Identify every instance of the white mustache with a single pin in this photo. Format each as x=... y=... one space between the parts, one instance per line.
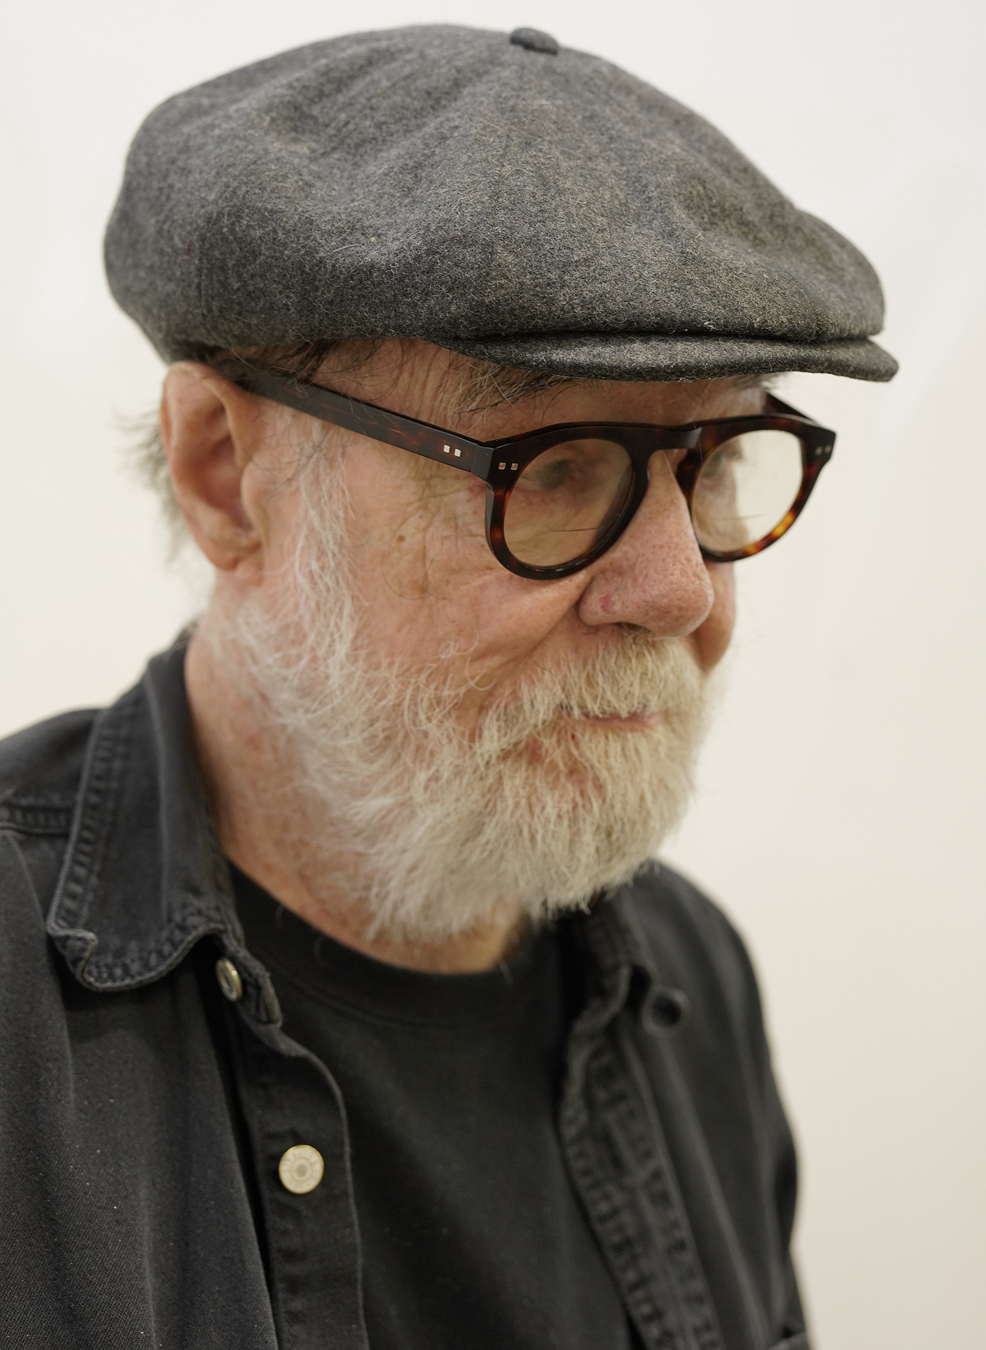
x=642 y=677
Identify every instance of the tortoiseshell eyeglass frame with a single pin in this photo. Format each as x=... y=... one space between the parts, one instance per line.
x=500 y=463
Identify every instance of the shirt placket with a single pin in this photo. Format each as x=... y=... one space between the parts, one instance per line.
x=617 y=1157
x=299 y=1140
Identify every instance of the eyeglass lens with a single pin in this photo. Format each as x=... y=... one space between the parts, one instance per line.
x=745 y=489
x=567 y=498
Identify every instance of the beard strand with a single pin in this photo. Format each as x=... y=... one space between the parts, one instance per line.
x=435 y=830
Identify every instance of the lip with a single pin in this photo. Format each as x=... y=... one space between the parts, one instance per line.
x=536 y=749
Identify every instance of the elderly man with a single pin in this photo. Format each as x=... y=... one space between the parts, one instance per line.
x=344 y=1007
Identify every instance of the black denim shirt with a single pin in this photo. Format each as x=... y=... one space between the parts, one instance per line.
x=143 y=1114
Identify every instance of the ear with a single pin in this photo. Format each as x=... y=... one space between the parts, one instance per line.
x=211 y=430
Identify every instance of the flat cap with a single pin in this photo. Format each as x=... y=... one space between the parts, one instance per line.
x=498 y=195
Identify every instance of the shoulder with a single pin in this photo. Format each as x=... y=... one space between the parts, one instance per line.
x=696 y=947
x=40 y=771
x=675 y=914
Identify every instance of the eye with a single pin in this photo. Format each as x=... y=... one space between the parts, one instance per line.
x=549 y=476
x=721 y=460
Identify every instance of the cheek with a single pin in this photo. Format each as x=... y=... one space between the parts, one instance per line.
x=712 y=638
x=420 y=560
x=430 y=547
x=408 y=514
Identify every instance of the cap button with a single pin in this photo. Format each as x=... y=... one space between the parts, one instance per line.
x=229 y=979
x=301 y=1169
x=534 y=40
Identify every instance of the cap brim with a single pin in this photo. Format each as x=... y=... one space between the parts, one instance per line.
x=662 y=356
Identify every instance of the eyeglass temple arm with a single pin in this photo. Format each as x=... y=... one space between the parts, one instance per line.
x=407 y=433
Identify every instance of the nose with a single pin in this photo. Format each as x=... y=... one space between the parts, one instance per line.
x=654 y=576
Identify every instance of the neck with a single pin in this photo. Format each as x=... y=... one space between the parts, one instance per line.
x=271 y=831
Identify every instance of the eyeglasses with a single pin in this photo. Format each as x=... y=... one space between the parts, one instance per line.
x=559 y=497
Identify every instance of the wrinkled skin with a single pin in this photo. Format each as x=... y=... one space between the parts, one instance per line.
x=428 y=588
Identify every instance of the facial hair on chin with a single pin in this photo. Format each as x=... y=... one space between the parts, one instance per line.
x=435 y=831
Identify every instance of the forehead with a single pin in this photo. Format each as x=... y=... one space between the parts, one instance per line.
x=436 y=385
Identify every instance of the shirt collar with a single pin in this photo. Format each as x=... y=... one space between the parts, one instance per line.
x=144 y=877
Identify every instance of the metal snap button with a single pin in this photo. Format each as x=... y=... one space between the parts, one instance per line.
x=301 y=1169
x=229 y=979
x=665 y=1012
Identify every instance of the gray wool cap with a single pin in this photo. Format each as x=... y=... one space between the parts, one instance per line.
x=498 y=195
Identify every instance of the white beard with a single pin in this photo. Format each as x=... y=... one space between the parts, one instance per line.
x=433 y=830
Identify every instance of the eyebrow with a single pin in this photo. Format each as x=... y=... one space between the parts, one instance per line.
x=763 y=380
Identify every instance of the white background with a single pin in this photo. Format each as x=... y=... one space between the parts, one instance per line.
x=840 y=811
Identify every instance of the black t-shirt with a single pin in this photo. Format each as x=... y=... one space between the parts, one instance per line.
x=471 y=1232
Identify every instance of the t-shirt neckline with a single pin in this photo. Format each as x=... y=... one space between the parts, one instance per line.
x=351 y=981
